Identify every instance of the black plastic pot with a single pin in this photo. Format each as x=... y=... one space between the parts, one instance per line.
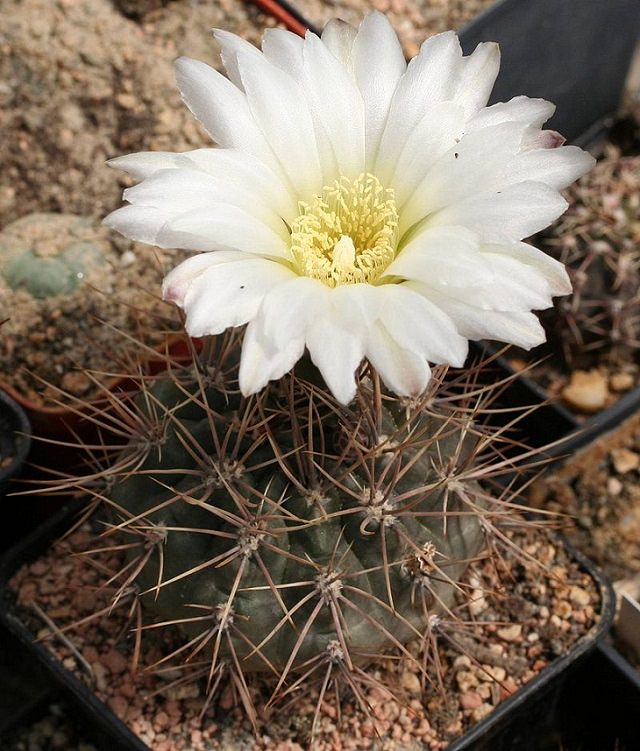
x=25 y=687
x=15 y=440
x=599 y=705
x=610 y=686
x=575 y=53
x=510 y=727
x=99 y=724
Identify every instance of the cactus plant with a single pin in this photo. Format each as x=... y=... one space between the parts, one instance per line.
x=292 y=515
x=599 y=241
x=289 y=535
x=48 y=255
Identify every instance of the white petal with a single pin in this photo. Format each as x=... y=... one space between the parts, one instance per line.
x=339 y=106
x=141 y=223
x=231 y=45
x=229 y=294
x=261 y=362
x=442 y=254
x=557 y=167
x=245 y=172
x=284 y=49
x=514 y=327
x=144 y=163
x=236 y=168
x=177 y=282
x=336 y=353
x=357 y=306
x=404 y=372
x=516 y=286
x=222 y=108
x=431 y=77
x=553 y=271
x=242 y=169
x=477 y=164
x=419 y=326
x=535 y=138
x=181 y=190
x=222 y=226
x=512 y=214
x=339 y=36
x=439 y=130
x=450 y=260
x=291 y=307
x=378 y=63
x=519 y=109
x=279 y=106
x=478 y=74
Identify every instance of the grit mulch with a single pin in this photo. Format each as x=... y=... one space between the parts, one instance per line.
x=520 y=616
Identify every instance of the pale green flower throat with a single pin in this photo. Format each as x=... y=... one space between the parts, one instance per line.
x=348 y=233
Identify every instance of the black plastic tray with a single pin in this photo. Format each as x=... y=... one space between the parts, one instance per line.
x=507 y=728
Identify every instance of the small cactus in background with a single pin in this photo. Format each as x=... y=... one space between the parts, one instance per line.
x=66 y=285
x=599 y=241
x=50 y=254
x=289 y=535
x=45 y=276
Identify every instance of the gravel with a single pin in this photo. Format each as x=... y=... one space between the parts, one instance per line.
x=526 y=610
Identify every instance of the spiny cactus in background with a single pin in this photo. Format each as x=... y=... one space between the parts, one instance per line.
x=289 y=535
x=599 y=241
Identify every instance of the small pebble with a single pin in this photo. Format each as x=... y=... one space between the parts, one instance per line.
x=466 y=680
x=470 y=700
x=481 y=712
x=624 y=460
x=510 y=633
x=411 y=683
x=587 y=391
x=621 y=382
x=579 y=595
x=614 y=486
x=496 y=672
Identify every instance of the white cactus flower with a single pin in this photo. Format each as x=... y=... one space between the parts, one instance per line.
x=357 y=207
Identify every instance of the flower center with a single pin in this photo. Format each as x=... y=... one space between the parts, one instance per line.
x=348 y=233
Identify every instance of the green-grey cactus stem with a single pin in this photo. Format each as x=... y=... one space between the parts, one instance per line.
x=285 y=530
x=49 y=276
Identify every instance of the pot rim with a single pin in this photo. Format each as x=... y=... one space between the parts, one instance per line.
x=21 y=427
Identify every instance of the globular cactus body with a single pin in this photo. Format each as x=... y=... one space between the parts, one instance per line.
x=285 y=530
x=51 y=254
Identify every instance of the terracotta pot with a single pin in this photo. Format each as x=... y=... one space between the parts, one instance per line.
x=58 y=422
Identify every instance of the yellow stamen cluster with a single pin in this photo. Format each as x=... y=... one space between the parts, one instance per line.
x=348 y=233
